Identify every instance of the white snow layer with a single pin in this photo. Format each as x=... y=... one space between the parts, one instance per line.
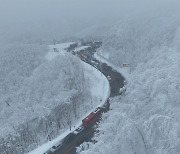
x=146 y=120
x=99 y=88
x=57 y=49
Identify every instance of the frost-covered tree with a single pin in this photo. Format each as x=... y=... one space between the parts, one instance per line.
x=38 y=98
x=145 y=119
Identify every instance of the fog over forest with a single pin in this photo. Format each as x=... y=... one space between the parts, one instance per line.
x=51 y=18
x=43 y=86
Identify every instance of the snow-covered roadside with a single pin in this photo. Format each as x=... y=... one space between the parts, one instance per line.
x=100 y=85
x=60 y=50
x=100 y=89
x=95 y=77
x=43 y=148
x=124 y=71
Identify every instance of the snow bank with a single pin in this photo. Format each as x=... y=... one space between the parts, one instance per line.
x=100 y=87
x=45 y=147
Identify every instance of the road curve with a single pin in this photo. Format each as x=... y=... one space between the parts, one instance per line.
x=116 y=81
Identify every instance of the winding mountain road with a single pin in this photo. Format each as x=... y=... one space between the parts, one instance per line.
x=116 y=81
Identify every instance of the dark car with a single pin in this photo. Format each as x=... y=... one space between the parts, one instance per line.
x=69 y=137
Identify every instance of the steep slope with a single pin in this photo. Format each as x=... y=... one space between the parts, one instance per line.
x=146 y=119
x=38 y=96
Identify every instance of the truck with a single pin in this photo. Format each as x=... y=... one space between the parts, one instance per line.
x=91 y=118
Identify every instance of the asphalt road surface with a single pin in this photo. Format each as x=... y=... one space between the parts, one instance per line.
x=116 y=81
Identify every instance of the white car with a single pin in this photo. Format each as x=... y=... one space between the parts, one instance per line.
x=53 y=149
x=108 y=77
x=78 y=130
x=94 y=63
x=56 y=146
x=122 y=90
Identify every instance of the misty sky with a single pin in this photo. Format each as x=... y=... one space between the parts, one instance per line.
x=73 y=15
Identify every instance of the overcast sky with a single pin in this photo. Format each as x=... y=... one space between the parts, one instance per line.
x=73 y=15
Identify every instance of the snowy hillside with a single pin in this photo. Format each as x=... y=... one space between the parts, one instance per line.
x=47 y=89
x=131 y=41
x=147 y=118
x=43 y=89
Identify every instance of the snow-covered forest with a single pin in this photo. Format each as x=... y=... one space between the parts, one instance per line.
x=31 y=88
x=146 y=119
x=41 y=97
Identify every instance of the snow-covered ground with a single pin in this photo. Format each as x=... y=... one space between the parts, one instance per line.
x=99 y=88
x=58 y=49
x=102 y=91
x=45 y=147
x=146 y=119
